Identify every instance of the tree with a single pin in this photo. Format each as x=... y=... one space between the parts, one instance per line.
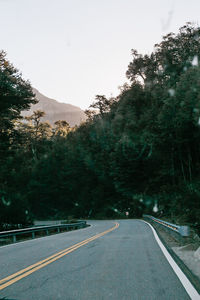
x=174 y=55
x=62 y=128
x=90 y=114
x=102 y=104
x=134 y=150
x=15 y=95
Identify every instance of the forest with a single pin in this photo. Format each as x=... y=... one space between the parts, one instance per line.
x=135 y=152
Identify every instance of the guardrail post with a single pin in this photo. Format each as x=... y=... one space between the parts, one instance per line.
x=58 y=230
x=47 y=231
x=33 y=235
x=184 y=230
x=14 y=239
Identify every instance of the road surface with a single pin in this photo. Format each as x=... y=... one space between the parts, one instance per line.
x=109 y=260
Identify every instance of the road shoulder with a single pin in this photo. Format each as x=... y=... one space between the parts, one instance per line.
x=183 y=256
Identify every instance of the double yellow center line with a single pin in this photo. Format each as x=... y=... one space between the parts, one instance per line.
x=5 y=282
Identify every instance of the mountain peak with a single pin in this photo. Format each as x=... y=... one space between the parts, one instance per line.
x=55 y=110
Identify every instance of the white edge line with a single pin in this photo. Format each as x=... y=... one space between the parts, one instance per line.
x=192 y=292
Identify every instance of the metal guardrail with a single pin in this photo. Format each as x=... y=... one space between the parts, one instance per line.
x=184 y=231
x=33 y=230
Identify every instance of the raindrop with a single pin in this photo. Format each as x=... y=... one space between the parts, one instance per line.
x=155 y=208
x=196 y=37
x=195 y=61
x=171 y=92
x=5 y=202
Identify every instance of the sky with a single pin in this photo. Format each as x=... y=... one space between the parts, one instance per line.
x=72 y=50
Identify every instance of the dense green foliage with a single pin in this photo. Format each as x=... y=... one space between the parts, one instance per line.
x=137 y=150
x=15 y=96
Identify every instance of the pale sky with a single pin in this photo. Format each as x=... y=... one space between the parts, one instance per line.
x=72 y=50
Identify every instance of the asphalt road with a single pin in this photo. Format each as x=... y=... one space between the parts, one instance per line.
x=123 y=264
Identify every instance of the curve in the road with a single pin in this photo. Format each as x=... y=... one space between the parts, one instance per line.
x=5 y=282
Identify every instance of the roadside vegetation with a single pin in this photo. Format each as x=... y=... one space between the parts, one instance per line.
x=136 y=153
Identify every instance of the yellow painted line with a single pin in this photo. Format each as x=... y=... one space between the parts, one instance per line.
x=57 y=254
x=41 y=264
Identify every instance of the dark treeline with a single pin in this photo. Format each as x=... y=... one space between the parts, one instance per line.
x=135 y=152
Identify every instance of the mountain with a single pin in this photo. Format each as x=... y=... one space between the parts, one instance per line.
x=56 y=110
